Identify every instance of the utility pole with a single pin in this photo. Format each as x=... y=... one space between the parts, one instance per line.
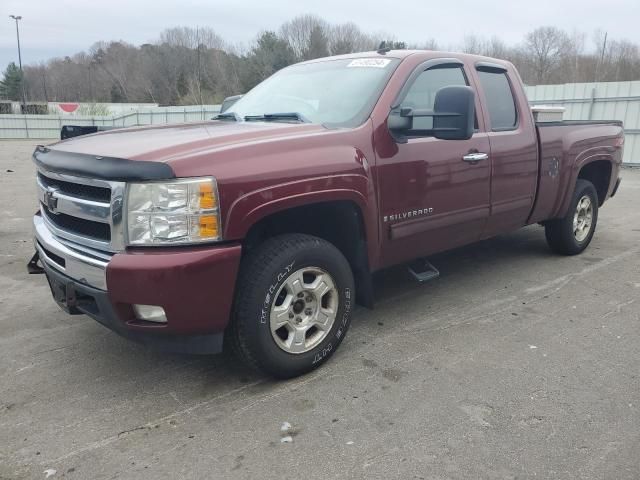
x=601 y=59
x=17 y=18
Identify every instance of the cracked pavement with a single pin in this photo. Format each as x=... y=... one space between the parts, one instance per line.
x=516 y=363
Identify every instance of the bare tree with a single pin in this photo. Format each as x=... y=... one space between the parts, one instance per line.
x=307 y=35
x=496 y=48
x=430 y=44
x=545 y=47
x=189 y=37
x=624 y=58
x=196 y=65
x=348 y=38
x=574 y=52
x=472 y=44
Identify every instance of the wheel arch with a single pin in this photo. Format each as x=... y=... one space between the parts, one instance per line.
x=340 y=221
x=598 y=172
x=590 y=166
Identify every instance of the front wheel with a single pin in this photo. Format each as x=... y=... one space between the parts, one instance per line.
x=293 y=305
x=573 y=233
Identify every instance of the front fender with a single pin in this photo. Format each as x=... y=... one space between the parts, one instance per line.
x=251 y=207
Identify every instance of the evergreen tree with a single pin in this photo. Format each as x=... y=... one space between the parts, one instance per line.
x=270 y=54
x=318 y=45
x=11 y=84
x=181 y=85
x=116 y=94
x=393 y=45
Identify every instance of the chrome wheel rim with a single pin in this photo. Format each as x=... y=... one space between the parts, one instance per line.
x=304 y=310
x=583 y=219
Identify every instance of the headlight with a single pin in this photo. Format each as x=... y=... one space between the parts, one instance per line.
x=181 y=211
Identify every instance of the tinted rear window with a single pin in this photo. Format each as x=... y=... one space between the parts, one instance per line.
x=500 y=102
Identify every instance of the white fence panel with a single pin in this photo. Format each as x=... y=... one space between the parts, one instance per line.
x=582 y=101
x=597 y=101
x=48 y=126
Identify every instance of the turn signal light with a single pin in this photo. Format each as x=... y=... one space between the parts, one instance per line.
x=207 y=196
x=209 y=226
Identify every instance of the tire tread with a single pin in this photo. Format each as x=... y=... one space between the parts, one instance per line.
x=559 y=232
x=258 y=260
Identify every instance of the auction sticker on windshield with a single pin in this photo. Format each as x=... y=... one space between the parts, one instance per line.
x=369 y=62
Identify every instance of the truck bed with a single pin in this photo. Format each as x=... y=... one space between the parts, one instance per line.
x=563 y=146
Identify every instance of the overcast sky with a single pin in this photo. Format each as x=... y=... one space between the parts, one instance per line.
x=63 y=27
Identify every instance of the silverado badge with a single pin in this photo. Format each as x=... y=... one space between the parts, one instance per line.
x=408 y=214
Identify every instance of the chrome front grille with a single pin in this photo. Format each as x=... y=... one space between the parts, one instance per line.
x=87 y=192
x=78 y=225
x=85 y=212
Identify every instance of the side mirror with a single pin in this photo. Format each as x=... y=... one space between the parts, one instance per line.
x=228 y=102
x=453 y=116
x=399 y=122
x=454 y=113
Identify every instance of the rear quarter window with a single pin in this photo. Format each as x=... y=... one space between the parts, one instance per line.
x=500 y=102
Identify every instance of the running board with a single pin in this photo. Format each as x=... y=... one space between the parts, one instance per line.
x=423 y=271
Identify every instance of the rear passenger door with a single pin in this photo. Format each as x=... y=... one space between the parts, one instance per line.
x=514 y=150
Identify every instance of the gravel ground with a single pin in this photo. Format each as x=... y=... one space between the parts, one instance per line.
x=516 y=363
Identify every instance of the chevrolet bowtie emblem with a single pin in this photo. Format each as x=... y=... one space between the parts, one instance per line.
x=50 y=200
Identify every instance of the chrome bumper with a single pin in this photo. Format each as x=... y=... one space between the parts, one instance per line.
x=76 y=262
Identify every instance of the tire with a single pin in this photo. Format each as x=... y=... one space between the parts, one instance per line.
x=566 y=237
x=271 y=281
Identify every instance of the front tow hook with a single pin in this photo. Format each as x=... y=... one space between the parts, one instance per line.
x=32 y=267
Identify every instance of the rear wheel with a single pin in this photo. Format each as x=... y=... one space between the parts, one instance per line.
x=293 y=305
x=573 y=233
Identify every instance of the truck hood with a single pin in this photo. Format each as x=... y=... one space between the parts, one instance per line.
x=170 y=142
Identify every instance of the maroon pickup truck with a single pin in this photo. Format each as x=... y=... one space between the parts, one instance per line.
x=262 y=228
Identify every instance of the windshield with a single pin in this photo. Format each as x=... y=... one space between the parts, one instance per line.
x=335 y=93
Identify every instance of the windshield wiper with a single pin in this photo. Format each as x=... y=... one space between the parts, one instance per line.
x=278 y=116
x=229 y=115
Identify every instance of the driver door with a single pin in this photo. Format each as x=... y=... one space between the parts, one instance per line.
x=432 y=197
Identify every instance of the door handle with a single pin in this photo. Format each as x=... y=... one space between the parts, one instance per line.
x=475 y=157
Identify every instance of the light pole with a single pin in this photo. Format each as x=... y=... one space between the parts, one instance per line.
x=18 y=18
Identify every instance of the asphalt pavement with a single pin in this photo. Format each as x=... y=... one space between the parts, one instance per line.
x=516 y=363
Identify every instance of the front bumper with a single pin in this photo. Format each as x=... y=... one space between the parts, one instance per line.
x=195 y=286
x=77 y=263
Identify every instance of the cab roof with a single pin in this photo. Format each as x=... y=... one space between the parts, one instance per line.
x=402 y=54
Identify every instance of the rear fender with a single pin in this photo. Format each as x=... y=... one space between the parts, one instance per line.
x=588 y=156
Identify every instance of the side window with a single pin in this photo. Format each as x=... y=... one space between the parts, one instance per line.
x=422 y=93
x=500 y=102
